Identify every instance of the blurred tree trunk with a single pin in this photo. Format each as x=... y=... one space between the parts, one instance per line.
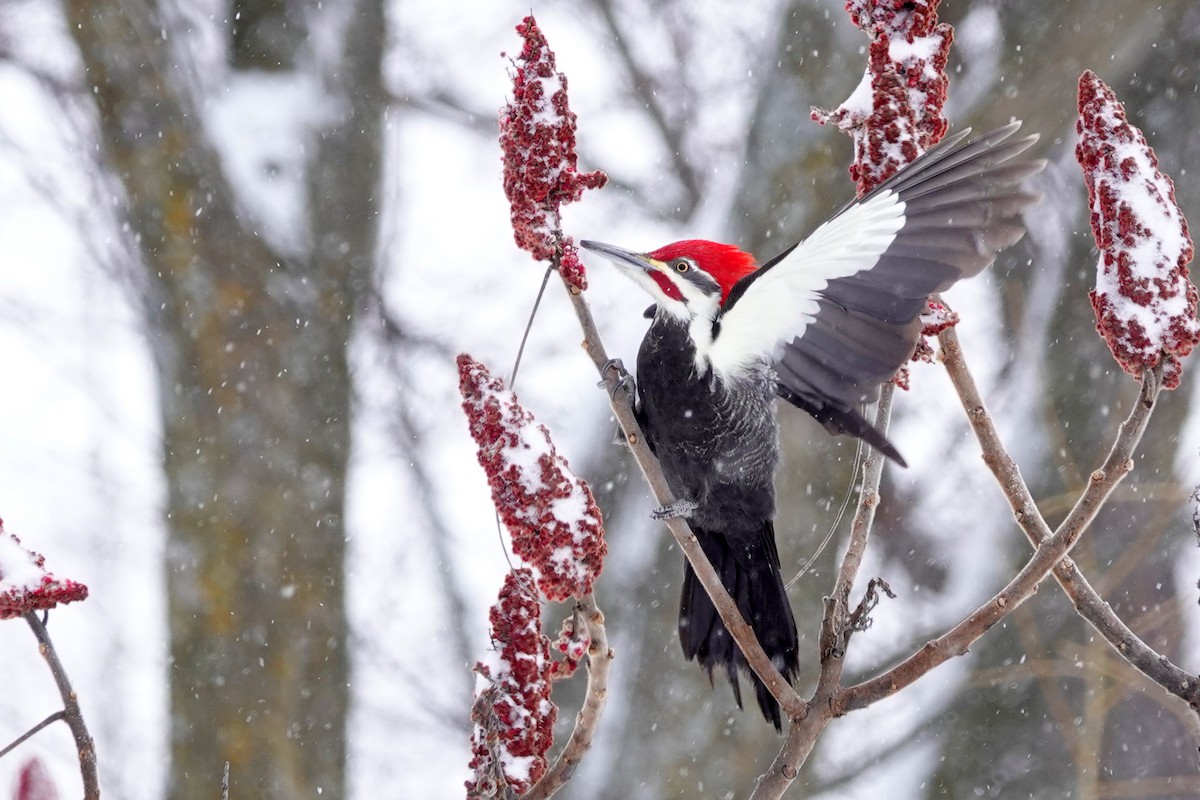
x=250 y=347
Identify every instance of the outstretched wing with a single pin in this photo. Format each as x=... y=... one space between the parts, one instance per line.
x=838 y=313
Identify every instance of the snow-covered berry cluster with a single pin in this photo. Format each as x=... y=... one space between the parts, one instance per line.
x=513 y=716
x=537 y=137
x=25 y=585
x=936 y=318
x=1144 y=302
x=895 y=114
x=550 y=513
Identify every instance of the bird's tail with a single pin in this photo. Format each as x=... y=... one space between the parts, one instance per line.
x=749 y=569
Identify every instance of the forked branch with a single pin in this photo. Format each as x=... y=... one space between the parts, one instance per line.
x=1087 y=601
x=836 y=629
x=831 y=700
x=1049 y=552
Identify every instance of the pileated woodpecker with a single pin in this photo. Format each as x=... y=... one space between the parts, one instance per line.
x=821 y=325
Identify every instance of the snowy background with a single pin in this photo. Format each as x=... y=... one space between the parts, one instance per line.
x=80 y=462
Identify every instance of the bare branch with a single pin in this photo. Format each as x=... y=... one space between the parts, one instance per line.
x=48 y=721
x=71 y=713
x=864 y=515
x=835 y=629
x=440 y=104
x=600 y=657
x=1087 y=601
x=1048 y=553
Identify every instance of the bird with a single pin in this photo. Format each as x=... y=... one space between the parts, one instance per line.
x=822 y=326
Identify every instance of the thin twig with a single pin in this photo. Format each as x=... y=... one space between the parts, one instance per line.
x=1048 y=553
x=741 y=632
x=835 y=629
x=864 y=516
x=71 y=713
x=600 y=657
x=50 y=720
x=1087 y=601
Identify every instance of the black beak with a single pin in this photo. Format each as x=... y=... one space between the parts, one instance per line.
x=619 y=256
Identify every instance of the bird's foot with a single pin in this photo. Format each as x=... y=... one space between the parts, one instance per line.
x=677 y=508
x=624 y=381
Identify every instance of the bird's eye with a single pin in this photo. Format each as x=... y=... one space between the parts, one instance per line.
x=682 y=266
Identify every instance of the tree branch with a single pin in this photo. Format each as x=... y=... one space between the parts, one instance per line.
x=600 y=657
x=71 y=712
x=48 y=721
x=835 y=628
x=1087 y=601
x=643 y=86
x=1048 y=553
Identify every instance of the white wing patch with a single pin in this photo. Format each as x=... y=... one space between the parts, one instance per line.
x=779 y=304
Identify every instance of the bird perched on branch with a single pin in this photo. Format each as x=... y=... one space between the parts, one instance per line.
x=822 y=325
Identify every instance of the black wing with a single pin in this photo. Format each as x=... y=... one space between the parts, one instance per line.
x=961 y=204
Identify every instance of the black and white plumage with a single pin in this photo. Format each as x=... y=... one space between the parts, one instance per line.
x=822 y=325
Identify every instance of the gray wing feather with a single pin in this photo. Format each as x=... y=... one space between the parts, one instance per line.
x=963 y=202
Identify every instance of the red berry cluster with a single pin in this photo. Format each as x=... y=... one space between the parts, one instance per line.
x=25 y=585
x=899 y=115
x=537 y=137
x=1144 y=302
x=513 y=714
x=550 y=513
x=937 y=317
x=572 y=643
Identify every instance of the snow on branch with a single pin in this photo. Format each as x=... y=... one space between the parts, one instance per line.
x=513 y=716
x=537 y=136
x=25 y=585
x=1144 y=302
x=550 y=513
x=895 y=113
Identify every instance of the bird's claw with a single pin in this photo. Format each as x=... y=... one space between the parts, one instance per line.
x=676 y=508
x=624 y=379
